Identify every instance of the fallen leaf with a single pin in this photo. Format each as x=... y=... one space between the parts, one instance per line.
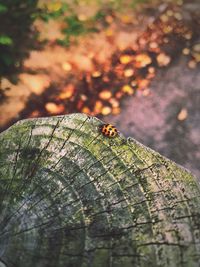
x=126 y=19
x=186 y=51
x=125 y=59
x=163 y=59
x=188 y=35
x=142 y=60
x=196 y=48
x=167 y=29
x=128 y=72
x=105 y=94
x=109 y=32
x=192 y=64
x=183 y=114
x=170 y=13
x=98 y=107
x=106 y=110
x=96 y=74
x=114 y=102
x=116 y=111
x=54 y=108
x=151 y=70
x=127 y=89
x=119 y=94
x=164 y=18
x=83 y=97
x=196 y=56
x=142 y=84
x=67 y=92
x=146 y=92
x=133 y=83
x=178 y=16
x=66 y=66
x=86 y=110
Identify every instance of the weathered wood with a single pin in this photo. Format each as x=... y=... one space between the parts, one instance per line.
x=71 y=197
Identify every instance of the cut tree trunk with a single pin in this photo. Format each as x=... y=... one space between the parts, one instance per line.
x=72 y=197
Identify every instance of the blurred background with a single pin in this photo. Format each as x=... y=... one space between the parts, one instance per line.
x=132 y=63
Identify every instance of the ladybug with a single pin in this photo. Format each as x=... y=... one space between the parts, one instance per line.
x=109 y=130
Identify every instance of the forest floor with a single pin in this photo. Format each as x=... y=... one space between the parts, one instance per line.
x=140 y=71
x=168 y=120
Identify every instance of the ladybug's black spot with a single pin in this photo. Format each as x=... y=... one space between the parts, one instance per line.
x=109 y=132
x=112 y=133
x=110 y=129
x=115 y=130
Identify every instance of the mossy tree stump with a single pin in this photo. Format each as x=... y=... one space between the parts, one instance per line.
x=71 y=197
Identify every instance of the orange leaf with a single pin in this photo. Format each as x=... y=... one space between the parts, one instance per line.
x=34 y=114
x=67 y=92
x=109 y=32
x=126 y=19
x=143 y=83
x=125 y=59
x=114 y=102
x=66 y=66
x=163 y=59
x=116 y=111
x=86 y=110
x=98 y=107
x=127 y=89
x=96 y=74
x=105 y=95
x=192 y=64
x=128 y=72
x=119 y=94
x=182 y=114
x=142 y=60
x=54 y=108
x=106 y=110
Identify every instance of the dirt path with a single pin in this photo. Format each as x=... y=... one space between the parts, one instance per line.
x=153 y=120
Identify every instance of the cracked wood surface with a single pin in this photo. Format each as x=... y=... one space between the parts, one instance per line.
x=71 y=197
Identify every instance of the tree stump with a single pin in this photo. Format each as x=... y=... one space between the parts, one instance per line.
x=72 y=197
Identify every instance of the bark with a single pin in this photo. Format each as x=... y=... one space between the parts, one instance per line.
x=71 y=197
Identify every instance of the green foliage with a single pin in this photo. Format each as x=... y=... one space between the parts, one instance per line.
x=5 y=40
x=3 y=8
x=75 y=27
x=16 y=17
x=46 y=15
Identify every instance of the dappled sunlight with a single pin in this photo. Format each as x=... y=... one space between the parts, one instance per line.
x=89 y=62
